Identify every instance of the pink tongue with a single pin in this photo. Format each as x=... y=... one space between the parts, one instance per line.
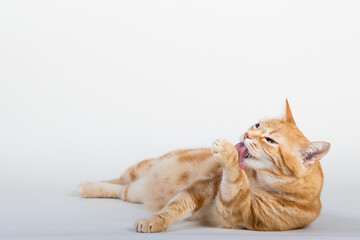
x=241 y=150
x=241 y=154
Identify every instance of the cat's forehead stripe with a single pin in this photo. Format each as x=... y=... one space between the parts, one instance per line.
x=274 y=131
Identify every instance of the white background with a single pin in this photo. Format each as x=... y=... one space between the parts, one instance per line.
x=88 y=88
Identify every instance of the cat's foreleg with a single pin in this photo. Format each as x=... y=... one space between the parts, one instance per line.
x=234 y=193
x=183 y=205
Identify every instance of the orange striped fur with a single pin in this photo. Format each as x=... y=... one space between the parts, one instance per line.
x=278 y=189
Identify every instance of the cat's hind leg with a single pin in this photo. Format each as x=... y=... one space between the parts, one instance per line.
x=132 y=192
x=100 y=190
x=128 y=187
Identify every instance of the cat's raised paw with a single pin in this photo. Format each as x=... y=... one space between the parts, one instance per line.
x=224 y=152
x=150 y=225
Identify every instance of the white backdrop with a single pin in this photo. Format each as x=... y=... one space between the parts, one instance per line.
x=88 y=88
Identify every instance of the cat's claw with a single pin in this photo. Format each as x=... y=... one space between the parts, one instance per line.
x=224 y=152
x=149 y=225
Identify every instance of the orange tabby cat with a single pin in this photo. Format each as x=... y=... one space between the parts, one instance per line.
x=269 y=181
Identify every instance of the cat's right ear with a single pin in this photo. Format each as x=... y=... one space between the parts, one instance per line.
x=314 y=151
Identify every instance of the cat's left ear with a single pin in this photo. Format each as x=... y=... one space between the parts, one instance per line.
x=314 y=151
x=288 y=115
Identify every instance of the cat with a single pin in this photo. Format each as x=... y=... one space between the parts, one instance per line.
x=270 y=181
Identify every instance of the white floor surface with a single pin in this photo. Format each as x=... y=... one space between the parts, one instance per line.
x=58 y=213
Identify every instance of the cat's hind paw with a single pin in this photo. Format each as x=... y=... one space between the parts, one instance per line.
x=87 y=189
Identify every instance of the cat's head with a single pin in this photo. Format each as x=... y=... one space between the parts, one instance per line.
x=278 y=147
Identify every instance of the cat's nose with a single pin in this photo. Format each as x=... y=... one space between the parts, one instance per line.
x=246 y=136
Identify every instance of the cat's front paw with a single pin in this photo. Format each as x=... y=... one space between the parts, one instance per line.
x=224 y=152
x=150 y=225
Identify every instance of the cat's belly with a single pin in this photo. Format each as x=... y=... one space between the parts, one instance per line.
x=175 y=172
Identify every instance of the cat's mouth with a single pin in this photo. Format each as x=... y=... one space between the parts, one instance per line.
x=243 y=153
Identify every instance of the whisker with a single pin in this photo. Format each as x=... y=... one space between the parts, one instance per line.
x=252 y=149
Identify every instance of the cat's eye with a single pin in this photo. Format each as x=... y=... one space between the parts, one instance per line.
x=269 y=140
x=257 y=125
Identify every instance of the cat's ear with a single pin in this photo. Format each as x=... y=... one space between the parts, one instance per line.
x=314 y=151
x=288 y=115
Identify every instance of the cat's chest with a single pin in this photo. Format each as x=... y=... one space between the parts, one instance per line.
x=258 y=180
